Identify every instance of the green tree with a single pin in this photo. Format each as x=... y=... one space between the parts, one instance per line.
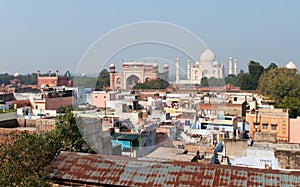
x=5 y=78
x=152 y=84
x=23 y=157
x=282 y=85
x=271 y=66
x=212 y=81
x=232 y=79
x=66 y=131
x=204 y=81
x=103 y=79
x=85 y=81
x=247 y=82
x=255 y=69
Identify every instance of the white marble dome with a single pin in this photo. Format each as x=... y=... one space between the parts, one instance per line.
x=207 y=55
x=16 y=75
x=291 y=65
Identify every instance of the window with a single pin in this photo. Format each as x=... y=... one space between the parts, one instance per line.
x=36 y=107
x=96 y=96
x=265 y=125
x=274 y=127
x=118 y=80
x=235 y=99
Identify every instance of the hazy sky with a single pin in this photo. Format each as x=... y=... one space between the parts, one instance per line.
x=50 y=35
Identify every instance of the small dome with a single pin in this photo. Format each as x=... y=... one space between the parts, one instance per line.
x=155 y=65
x=112 y=66
x=291 y=65
x=166 y=66
x=207 y=55
x=16 y=75
x=215 y=63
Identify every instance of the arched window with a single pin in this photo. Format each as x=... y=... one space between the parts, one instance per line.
x=118 y=80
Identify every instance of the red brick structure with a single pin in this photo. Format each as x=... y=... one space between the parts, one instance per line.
x=56 y=80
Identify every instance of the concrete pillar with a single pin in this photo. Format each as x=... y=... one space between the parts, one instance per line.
x=177 y=70
x=188 y=69
x=235 y=67
x=230 y=66
x=112 y=71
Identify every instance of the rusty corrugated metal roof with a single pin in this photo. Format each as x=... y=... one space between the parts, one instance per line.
x=111 y=170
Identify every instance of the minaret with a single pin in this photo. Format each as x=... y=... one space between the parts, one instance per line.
x=188 y=69
x=235 y=67
x=166 y=72
x=112 y=71
x=177 y=70
x=230 y=66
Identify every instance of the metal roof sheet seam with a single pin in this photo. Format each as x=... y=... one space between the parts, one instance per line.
x=114 y=170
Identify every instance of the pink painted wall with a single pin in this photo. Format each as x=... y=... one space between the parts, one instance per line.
x=99 y=99
x=295 y=130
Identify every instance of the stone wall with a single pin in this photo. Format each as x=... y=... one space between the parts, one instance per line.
x=44 y=125
x=288 y=159
x=265 y=137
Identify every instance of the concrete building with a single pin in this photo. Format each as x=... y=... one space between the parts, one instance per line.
x=218 y=110
x=294 y=130
x=269 y=121
x=52 y=100
x=135 y=72
x=100 y=98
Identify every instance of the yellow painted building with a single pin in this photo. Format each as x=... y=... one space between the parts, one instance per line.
x=269 y=120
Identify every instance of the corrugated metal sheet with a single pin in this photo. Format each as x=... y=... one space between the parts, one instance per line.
x=110 y=170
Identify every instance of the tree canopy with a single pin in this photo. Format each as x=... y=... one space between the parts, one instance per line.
x=212 y=81
x=282 y=85
x=152 y=84
x=103 y=79
x=24 y=155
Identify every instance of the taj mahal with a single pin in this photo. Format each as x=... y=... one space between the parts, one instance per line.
x=140 y=71
x=207 y=66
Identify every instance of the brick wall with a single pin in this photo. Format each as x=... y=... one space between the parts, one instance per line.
x=56 y=103
x=26 y=122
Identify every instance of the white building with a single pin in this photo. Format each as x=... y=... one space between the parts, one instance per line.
x=207 y=66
